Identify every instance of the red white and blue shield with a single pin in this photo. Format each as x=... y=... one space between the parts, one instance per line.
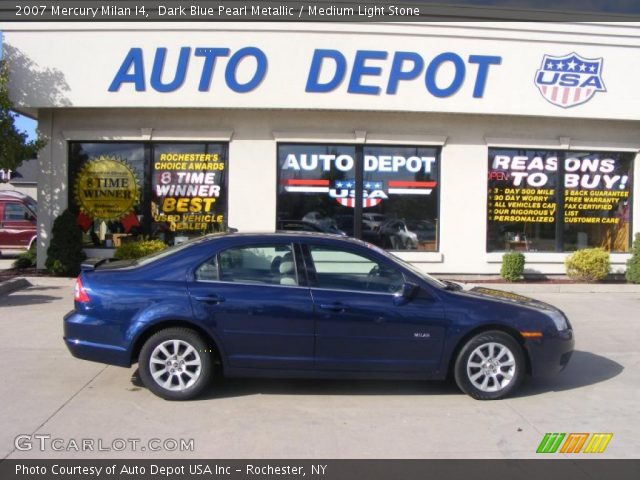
x=569 y=80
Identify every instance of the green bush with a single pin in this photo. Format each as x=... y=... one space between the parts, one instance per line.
x=512 y=266
x=26 y=259
x=137 y=249
x=588 y=265
x=65 y=254
x=633 y=264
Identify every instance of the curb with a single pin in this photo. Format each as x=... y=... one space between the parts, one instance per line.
x=13 y=285
x=559 y=288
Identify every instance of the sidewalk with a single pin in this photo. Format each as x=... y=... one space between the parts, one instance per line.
x=537 y=287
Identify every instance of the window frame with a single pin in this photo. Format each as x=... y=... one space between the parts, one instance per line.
x=146 y=180
x=562 y=151
x=359 y=148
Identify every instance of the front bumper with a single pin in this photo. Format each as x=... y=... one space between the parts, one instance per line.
x=84 y=339
x=550 y=354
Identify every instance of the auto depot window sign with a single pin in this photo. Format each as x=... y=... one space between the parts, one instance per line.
x=315 y=173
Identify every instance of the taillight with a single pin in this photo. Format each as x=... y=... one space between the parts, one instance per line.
x=79 y=293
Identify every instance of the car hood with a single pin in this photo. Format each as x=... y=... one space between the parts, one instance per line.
x=509 y=298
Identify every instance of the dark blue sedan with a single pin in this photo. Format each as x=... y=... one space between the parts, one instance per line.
x=305 y=306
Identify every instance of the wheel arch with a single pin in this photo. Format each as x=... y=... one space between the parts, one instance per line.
x=486 y=328
x=171 y=323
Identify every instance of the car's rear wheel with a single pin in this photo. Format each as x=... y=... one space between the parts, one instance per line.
x=176 y=364
x=490 y=366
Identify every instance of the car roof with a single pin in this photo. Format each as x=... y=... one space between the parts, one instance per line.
x=13 y=195
x=293 y=235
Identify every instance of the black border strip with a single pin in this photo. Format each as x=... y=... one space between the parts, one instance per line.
x=320 y=11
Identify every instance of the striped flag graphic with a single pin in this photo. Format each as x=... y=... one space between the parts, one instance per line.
x=306 y=186
x=411 y=188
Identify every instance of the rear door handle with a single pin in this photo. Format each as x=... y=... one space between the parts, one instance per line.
x=334 y=307
x=209 y=298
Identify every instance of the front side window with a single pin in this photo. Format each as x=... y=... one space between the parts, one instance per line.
x=15 y=212
x=318 y=185
x=273 y=265
x=344 y=270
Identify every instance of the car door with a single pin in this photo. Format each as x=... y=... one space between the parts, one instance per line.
x=17 y=226
x=360 y=324
x=254 y=297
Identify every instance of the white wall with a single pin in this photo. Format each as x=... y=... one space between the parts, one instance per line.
x=74 y=64
x=252 y=162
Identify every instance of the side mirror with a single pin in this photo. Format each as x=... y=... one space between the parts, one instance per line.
x=404 y=296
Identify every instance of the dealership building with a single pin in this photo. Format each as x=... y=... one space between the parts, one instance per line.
x=446 y=143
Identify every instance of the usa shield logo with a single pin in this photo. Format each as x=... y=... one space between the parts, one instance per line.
x=569 y=80
x=343 y=191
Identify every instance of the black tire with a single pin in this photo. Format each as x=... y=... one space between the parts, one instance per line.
x=506 y=369
x=189 y=371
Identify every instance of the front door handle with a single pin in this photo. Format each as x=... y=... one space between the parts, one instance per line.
x=209 y=298
x=334 y=307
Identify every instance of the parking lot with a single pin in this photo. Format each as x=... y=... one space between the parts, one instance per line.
x=45 y=391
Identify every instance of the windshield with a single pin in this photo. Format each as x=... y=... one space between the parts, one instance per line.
x=423 y=275
x=415 y=270
x=32 y=204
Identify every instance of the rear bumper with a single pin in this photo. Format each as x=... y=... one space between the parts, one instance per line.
x=550 y=355
x=81 y=335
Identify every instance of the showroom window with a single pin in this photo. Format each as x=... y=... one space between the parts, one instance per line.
x=318 y=186
x=170 y=191
x=558 y=200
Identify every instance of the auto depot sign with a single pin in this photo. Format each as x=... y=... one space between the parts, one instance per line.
x=364 y=72
x=353 y=68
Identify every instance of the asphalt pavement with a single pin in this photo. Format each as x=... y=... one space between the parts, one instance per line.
x=53 y=400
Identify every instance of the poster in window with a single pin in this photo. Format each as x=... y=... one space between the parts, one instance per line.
x=188 y=189
x=597 y=200
x=522 y=200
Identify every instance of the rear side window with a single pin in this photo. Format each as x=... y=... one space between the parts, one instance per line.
x=272 y=264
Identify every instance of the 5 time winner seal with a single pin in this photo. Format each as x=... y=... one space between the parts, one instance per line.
x=106 y=188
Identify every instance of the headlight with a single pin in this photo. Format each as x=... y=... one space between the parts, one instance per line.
x=559 y=320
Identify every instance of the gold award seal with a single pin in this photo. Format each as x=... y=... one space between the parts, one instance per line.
x=106 y=188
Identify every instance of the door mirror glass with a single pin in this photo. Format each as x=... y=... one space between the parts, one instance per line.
x=408 y=292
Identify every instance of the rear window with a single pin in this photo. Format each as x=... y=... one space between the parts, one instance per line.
x=171 y=250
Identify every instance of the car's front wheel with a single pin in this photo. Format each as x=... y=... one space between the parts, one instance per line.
x=490 y=366
x=176 y=364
